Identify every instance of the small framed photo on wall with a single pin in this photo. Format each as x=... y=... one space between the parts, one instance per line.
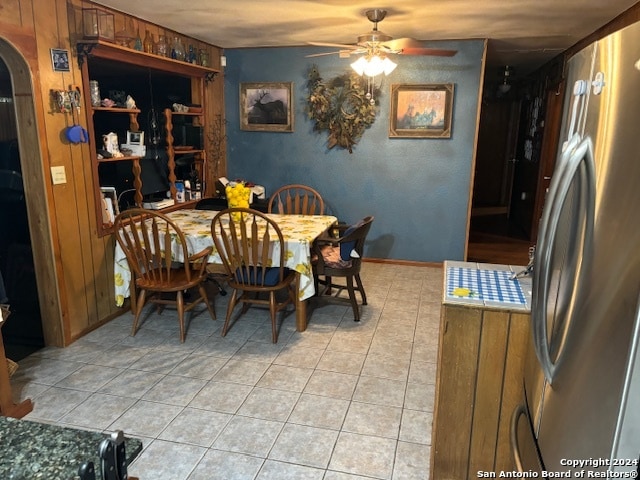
x=60 y=60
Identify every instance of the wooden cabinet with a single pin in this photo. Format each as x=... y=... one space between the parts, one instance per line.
x=481 y=358
x=120 y=69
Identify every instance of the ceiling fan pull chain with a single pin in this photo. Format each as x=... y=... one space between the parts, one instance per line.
x=369 y=95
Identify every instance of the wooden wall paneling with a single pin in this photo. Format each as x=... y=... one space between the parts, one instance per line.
x=455 y=391
x=10 y=11
x=98 y=279
x=21 y=37
x=519 y=333
x=47 y=27
x=491 y=365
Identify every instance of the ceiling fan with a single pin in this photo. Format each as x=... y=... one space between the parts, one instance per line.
x=377 y=42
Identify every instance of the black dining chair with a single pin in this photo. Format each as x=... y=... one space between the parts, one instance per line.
x=211 y=203
x=341 y=257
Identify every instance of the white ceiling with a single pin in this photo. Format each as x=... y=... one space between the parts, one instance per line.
x=522 y=33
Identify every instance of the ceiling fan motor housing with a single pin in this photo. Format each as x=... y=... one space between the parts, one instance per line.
x=374 y=36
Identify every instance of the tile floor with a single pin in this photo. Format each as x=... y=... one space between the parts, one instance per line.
x=340 y=401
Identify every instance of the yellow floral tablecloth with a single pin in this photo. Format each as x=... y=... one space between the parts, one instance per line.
x=298 y=231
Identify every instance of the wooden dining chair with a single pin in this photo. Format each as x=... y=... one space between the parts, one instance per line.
x=341 y=256
x=151 y=241
x=246 y=240
x=296 y=199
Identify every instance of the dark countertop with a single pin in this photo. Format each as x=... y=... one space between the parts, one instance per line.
x=32 y=450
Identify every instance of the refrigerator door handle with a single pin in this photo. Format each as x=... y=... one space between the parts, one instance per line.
x=513 y=436
x=561 y=183
x=553 y=189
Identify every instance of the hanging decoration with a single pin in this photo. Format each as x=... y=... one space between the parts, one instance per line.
x=344 y=106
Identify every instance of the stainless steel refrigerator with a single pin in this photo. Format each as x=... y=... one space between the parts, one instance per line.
x=581 y=389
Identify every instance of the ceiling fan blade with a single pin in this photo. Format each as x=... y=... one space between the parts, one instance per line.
x=342 y=53
x=400 y=43
x=434 y=52
x=342 y=46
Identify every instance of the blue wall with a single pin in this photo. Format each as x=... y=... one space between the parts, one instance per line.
x=417 y=189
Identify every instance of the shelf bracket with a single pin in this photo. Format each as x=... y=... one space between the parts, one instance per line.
x=84 y=50
x=210 y=76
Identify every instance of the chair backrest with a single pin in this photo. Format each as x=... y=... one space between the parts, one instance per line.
x=353 y=239
x=247 y=241
x=296 y=199
x=145 y=236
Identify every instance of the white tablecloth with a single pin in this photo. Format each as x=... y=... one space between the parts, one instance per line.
x=298 y=231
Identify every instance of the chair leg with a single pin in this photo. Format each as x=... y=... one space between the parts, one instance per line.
x=352 y=298
x=361 y=288
x=139 y=306
x=273 y=311
x=232 y=303
x=180 y=305
x=203 y=294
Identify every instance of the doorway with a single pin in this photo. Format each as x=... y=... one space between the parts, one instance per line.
x=494 y=235
x=23 y=331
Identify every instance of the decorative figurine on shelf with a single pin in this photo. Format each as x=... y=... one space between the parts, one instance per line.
x=130 y=103
x=110 y=141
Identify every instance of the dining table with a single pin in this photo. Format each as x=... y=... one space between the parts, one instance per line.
x=298 y=231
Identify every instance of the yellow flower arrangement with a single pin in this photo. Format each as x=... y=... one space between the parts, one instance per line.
x=237 y=196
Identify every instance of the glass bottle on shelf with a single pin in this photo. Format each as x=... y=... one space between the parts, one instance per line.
x=204 y=57
x=137 y=45
x=148 y=42
x=192 y=55
x=177 y=49
x=162 y=47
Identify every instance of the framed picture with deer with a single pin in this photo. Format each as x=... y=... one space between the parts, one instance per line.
x=266 y=107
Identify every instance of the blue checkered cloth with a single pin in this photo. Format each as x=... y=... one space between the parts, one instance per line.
x=489 y=285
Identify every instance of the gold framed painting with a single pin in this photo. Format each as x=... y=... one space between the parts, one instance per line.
x=421 y=111
x=266 y=107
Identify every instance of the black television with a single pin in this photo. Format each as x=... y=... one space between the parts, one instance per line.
x=154 y=174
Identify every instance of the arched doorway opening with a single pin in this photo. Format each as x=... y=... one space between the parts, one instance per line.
x=22 y=333
x=37 y=244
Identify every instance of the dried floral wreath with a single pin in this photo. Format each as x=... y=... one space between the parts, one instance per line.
x=344 y=106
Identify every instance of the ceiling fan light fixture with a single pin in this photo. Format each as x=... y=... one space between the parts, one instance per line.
x=373 y=65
